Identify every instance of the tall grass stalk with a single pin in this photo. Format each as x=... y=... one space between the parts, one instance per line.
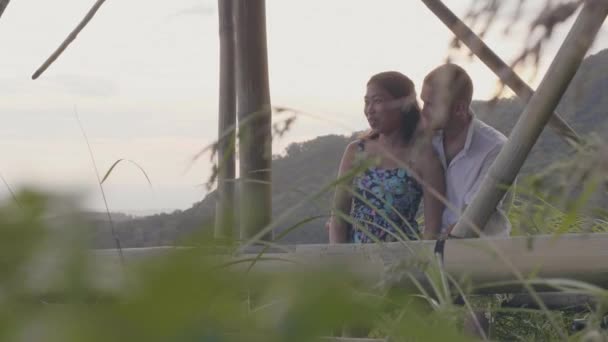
x=10 y=190
x=102 y=191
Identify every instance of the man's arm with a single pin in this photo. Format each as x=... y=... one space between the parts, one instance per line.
x=433 y=175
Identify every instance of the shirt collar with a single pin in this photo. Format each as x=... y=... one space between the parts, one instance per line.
x=438 y=136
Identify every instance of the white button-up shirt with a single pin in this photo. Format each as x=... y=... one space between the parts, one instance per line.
x=466 y=172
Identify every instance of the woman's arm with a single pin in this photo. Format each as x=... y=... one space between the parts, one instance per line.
x=342 y=199
x=434 y=178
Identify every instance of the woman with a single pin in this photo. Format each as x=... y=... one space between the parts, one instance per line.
x=397 y=171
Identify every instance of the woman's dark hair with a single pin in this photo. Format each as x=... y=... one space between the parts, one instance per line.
x=399 y=86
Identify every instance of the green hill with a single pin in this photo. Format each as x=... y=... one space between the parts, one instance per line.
x=309 y=166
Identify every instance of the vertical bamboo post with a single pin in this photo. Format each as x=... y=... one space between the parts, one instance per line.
x=497 y=65
x=225 y=206
x=534 y=118
x=254 y=114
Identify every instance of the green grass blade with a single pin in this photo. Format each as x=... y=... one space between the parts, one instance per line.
x=107 y=174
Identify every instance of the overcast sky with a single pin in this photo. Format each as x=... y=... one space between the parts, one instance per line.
x=143 y=77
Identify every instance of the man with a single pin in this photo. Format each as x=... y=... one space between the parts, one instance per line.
x=466 y=146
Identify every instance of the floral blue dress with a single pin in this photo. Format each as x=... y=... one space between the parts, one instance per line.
x=385 y=200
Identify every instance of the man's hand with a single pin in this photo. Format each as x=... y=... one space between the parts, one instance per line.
x=450 y=228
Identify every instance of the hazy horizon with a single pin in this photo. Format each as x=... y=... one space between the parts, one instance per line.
x=143 y=78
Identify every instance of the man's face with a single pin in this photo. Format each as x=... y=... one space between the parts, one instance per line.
x=436 y=108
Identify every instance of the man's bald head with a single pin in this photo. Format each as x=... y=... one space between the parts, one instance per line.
x=447 y=92
x=452 y=79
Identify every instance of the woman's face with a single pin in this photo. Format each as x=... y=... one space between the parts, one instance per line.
x=381 y=109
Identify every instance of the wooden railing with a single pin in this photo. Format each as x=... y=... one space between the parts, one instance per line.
x=487 y=265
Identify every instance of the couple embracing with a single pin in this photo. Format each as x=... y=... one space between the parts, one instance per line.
x=437 y=155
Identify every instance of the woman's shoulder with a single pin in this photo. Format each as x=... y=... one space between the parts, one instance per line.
x=359 y=151
x=351 y=152
x=357 y=145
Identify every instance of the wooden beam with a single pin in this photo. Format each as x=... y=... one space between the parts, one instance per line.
x=534 y=118
x=582 y=257
x=254 y=114
x=70 y=38
x=496 y=64
x=225 y=205
x=3 y=4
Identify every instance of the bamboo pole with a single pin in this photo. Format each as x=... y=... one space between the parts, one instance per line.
x=3 y=4
x=535 y=116
x=225 y=208
x=582 y=257
x=497 y=65
x=70 y=38
x=254 y=115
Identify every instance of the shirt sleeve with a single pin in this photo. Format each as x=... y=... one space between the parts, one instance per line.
x=487 y=162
